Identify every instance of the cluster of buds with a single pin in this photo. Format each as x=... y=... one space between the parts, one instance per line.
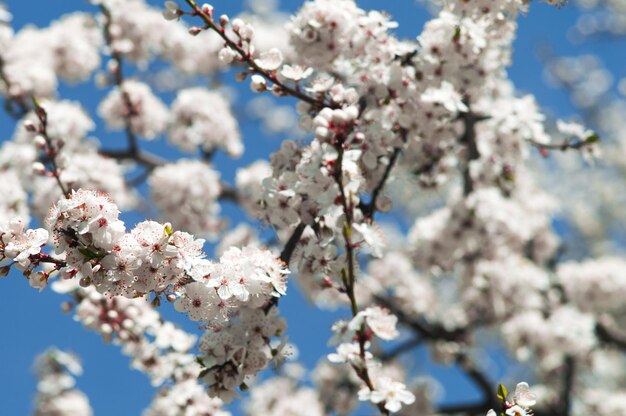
x=43 y=142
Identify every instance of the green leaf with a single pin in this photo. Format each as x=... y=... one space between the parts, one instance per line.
x=592 y=139
x=89 y=253
x=457 y=33
x=502 y=393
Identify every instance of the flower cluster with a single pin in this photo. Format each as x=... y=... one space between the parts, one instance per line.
x=56 y=394
x=235 y=298
x=34 y=59
x=188 y=205
x=202 y=119
x=146 y=114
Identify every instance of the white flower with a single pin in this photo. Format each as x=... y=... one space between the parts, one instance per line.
x=21 y=245
x=445 y=95
x=372 y=237
x=516 y=411
x=196 y=301
x=349 y=353
x=188 y=205
x=270 y=60
x=172 y=11
x=379 y=320
x=227 y=55
x=295 y=72
x=393 y=393
x=523 y=396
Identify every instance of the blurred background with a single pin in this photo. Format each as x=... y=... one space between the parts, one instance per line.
x=586 y=86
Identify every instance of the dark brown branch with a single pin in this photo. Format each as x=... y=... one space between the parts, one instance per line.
x=51 y=147
x=290 y=246
x=485 y=386
x=229 y=193
x=469 y=409
x=469 y=140
x=118 y=79
x=10 y=100
x=606 y=333
x=574 y=144
x=401 y=349
x=142 y=157
x=427 y=330
x=370 y=208
x=569 y=377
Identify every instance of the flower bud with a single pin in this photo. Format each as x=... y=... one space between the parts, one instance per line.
x=40 y=141
x=39 y=168
x=257 y=83
x=237 y=25
x=194 y=30
x=224 y=19
x=226 y=55
x=207 y=9
x=30 y=126
x=156 y=302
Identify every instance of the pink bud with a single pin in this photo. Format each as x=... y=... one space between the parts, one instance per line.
x=207 y=9
x=195 y=30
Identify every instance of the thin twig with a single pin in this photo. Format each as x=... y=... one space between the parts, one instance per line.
x=51 y=147
x=401 y=349
x=369 y=209
x=118 y=78
x=247 y=57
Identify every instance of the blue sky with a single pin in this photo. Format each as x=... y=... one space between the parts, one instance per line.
x=32 y=321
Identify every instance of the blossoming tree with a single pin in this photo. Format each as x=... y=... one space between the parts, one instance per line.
x=429 y=130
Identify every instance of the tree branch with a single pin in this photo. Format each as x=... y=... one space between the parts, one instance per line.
x=607 y=333
x=118 y=79
x=12 y=99
x=429 y=331
x=469 y=139
x=290 y=246
x=142 y=157
x=401 y=349
x=247 y=57
x=370 y=208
